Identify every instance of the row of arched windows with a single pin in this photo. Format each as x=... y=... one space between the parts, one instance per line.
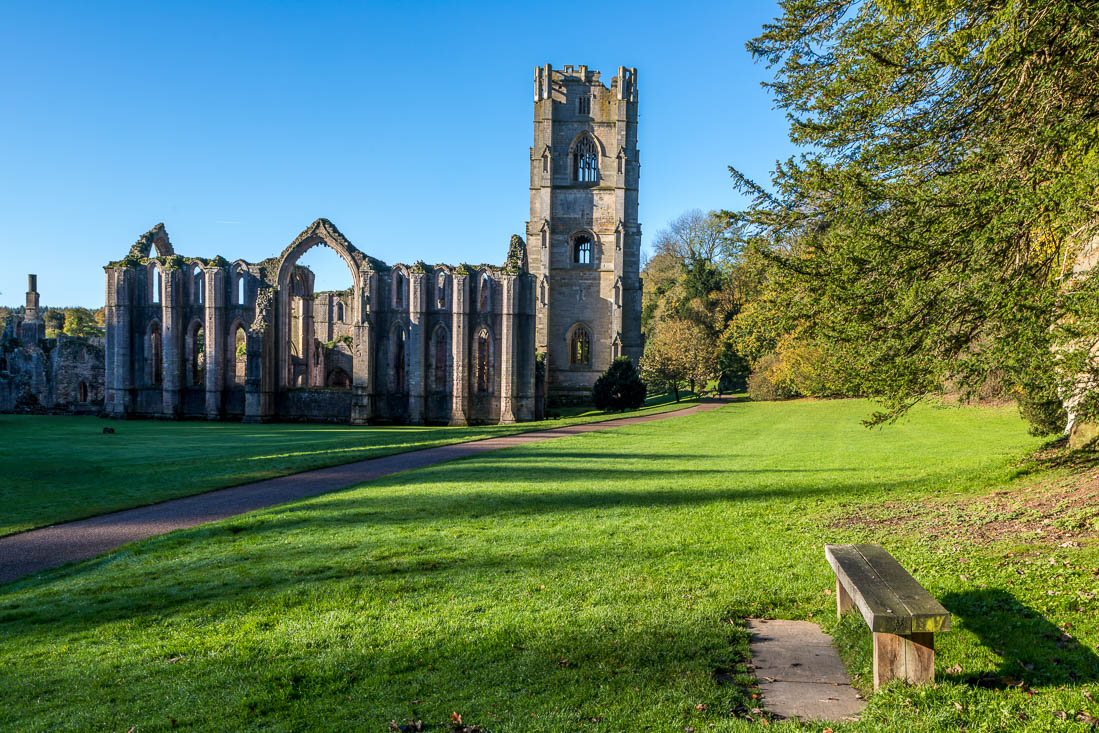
x=195 y=355
x=197 y=286
x=399 y=291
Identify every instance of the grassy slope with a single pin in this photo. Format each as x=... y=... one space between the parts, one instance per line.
x=586 y=583
x=57 y=469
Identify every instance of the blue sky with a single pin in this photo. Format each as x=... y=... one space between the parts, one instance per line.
x=407 y=124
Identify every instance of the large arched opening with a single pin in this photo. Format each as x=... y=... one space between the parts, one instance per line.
x=319 y=310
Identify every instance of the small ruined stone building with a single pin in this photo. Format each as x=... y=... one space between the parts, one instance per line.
x=196 y=337
x=38 y=374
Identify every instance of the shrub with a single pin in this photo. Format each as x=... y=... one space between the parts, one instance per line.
x=768 y=381
x=620 y=387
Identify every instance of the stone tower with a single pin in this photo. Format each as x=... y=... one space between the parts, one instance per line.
x=583 y=237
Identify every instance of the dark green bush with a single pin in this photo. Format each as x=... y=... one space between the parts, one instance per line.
x=620 y=387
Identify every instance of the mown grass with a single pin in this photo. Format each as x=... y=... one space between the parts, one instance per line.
x=56 y=469
x=596 y=582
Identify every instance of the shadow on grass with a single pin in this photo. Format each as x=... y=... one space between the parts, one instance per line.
x=1032 y=650
x=499 y=664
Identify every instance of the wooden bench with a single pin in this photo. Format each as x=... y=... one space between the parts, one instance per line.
x=903 y=616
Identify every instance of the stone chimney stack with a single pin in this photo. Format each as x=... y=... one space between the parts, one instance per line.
x=33 y=327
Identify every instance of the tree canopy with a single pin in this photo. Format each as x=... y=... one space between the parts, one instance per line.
x=946 y=188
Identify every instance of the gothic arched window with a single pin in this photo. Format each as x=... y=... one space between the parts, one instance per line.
x=581 y=249
x=154 y=355
x=156 y=284
x=484 y=361
x=486 y=287
x=198 y=286
x=398 y=356
x=398 y=290
x=196 y=354
x=339 y=311
x=440 y=290
x=580 y=347
x=585 y=160
x=439 y=357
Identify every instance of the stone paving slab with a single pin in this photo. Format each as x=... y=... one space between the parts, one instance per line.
x=800 y=673
x=40 y=549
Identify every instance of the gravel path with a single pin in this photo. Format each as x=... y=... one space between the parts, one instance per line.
x=39 y=549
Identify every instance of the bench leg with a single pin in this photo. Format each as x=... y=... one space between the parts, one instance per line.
x=843 y=600
x=910 y=658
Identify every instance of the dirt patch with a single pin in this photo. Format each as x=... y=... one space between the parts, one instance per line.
x=1058 y=512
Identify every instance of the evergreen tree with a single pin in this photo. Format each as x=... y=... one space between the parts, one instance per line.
x=620 y=387
x=947 y=186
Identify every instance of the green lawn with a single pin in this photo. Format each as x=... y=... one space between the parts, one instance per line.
x=56 y=469
x=596 y=582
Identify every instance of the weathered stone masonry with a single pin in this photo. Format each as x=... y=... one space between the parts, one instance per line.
x=62 y=374
x=584 y=238
x=191 y=337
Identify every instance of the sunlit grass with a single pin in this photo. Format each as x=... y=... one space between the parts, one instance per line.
x=595 y=582
x=54 y=469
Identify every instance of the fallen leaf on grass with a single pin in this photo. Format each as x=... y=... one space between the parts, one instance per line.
x=174 y=659
x=959 y=706
x=455 y=718
x=956 y=669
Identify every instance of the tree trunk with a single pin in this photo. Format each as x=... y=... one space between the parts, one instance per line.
x=675 y=387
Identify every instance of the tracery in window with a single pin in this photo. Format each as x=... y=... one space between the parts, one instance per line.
x=581 y=249
x=585 y=160
x=580 y=347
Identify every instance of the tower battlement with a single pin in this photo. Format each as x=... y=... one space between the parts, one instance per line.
x=548 y=79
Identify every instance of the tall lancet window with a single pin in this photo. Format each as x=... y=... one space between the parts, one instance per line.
x=585 y=160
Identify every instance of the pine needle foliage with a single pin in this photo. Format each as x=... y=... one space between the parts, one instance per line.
x=946 y=189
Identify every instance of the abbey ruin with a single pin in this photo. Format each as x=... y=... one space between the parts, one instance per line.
x=197 y=337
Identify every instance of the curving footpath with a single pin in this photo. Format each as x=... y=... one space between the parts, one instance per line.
x=40 y=549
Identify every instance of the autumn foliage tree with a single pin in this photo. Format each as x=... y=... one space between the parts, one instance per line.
x=679 y=353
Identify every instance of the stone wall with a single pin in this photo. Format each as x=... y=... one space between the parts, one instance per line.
x=64 y=375
x=407 y=343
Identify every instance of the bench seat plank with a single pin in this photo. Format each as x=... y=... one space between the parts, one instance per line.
x=878 y=604
x=928 y=615
x=887 y=596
